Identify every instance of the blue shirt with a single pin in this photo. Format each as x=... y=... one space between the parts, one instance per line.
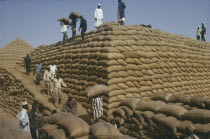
x=38 y=67
x=74 y=23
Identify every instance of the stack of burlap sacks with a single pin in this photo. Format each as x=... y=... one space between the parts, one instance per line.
x=9 y=128
x=163 y=116
x=13 y=92
x=133 y=61
x=65 y=125
x=14 y=52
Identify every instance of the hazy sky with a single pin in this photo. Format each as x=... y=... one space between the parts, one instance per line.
x=35 y=21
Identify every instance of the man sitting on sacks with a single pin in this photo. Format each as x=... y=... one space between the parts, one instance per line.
x=23 y=118
x=58 y=82
x=71 y=105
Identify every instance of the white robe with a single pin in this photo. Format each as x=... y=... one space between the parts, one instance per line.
x=99 y=17
x=23 y=120
x=53 y=68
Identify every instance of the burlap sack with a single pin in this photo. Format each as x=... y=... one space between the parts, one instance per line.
x=57 y=117
x=150 y=106
x=74 y=15
x=130 y=102
x=119 y=111
x=54 y=132
x=183 y=125
x=96 y=90
x=198 y=102
x=170 y=123
x=128 y=111
x=158 y=117
x=173 y=110
x=103 y=130
x=197 y=115
x=148 y=116
x=202 y=129
x=75 y=126
x=162 y=96
x=180 y=98
x=65 y=21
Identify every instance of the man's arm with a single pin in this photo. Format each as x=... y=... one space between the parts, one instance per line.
x=62 y=83
x=102 y=15
x=95 y=15
x=124 y=5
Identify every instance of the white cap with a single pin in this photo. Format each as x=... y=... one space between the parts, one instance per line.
x=99 y=4
x=24 y=103
x=203 y=22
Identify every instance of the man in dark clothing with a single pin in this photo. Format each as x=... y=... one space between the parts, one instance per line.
x=32 y=120
x=27 y=60
x=83 y=26
x=121 y=12
x=203 y=31
x=71 y=105
x=73 y=27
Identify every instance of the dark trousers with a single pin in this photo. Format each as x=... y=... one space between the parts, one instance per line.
x=83 y=33
x=202 y=37
x=28 y=69
x=198 y=37
x=33 y=132
x=73 y=33
x=65 y=37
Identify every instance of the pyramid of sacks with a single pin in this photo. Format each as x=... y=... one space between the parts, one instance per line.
x=14 y=52
x=14 y=91
x=133 y=61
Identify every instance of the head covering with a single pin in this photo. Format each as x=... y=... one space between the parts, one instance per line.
x=99 y=4
x=202 y=22
x=24 y=103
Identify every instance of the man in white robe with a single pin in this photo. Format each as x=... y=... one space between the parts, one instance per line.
x=98 y=16
x=23 y=118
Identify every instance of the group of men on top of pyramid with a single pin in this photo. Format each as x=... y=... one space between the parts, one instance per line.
x=201 y=32
x=98 y=21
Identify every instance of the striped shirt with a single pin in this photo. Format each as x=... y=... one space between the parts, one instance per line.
x=97 y=104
